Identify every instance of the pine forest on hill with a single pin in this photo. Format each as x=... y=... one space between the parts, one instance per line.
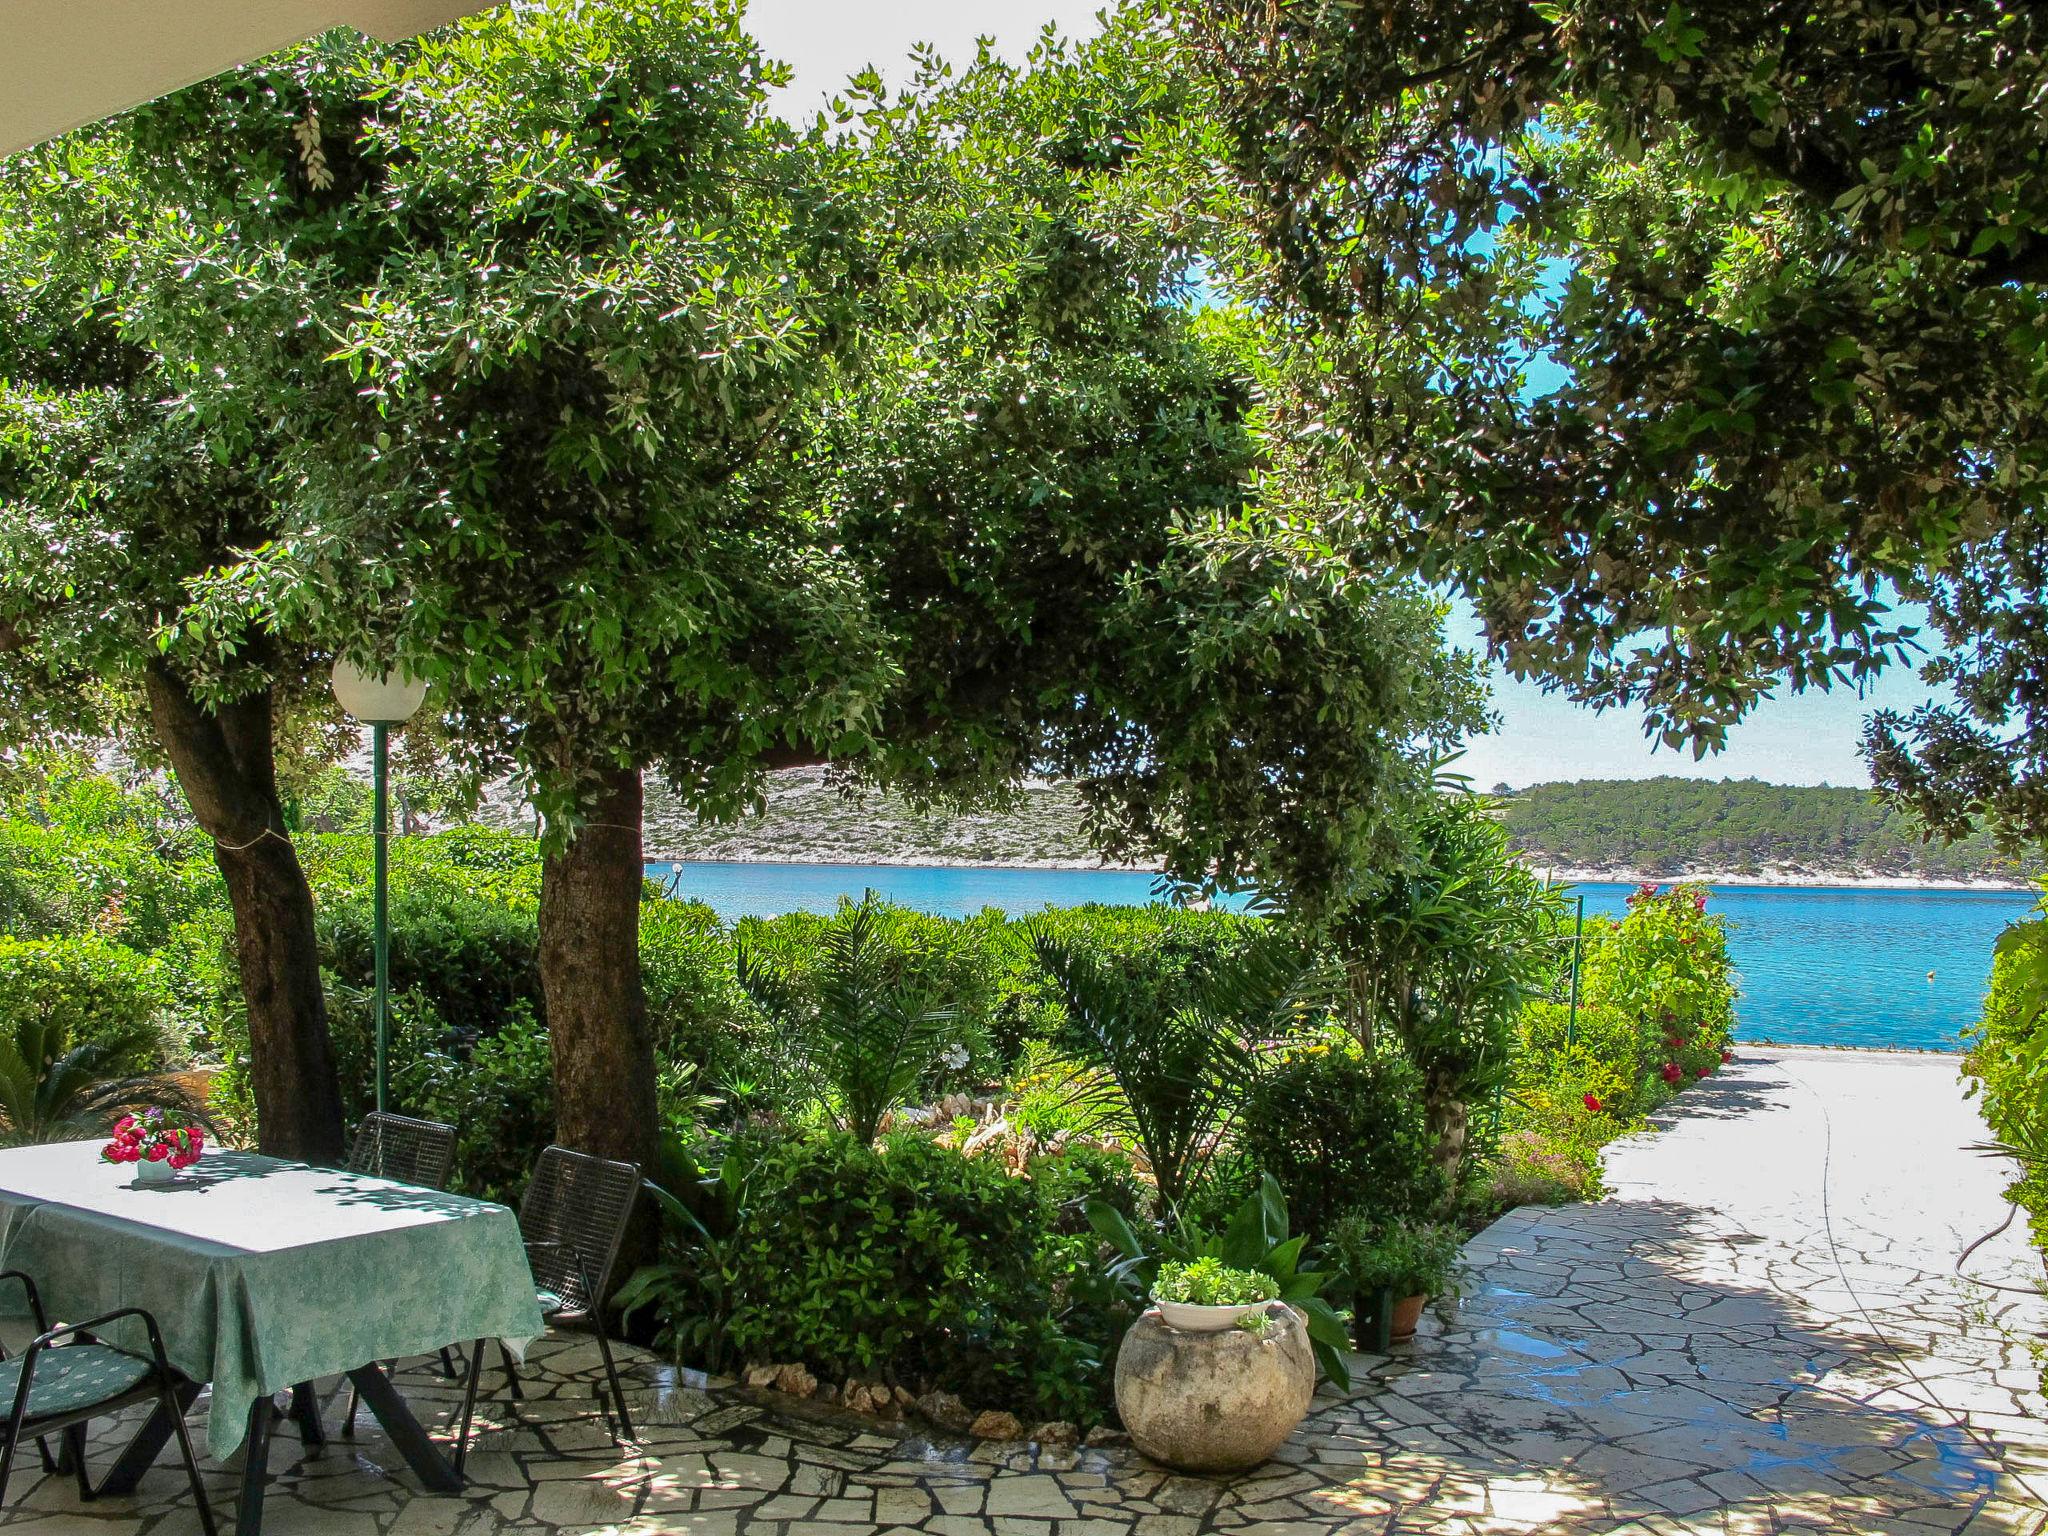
x=1669 y=826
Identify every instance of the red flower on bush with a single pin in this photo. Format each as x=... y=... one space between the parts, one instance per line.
x=1593 y=1103
x=1726 y=1055
x=1699 y=901
x=1671 y=1072
x=1703 y=1071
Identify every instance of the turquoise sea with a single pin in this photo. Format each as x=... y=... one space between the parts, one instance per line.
x=1819 y=965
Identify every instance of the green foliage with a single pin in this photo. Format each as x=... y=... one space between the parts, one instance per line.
x=1671 y=826
x=472 y=956
x=863 y=1018
x=93 y=991
x=53 y=1090
x=1405 y=1257
x=1343 y=1130
x=1176 y=1078
x=904 y=1261
x=1440 y=956
x=2008 y=1062
x=1772 y=269
x=1207 y=1282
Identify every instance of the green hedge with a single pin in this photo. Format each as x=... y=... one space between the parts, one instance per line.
x=97 y=990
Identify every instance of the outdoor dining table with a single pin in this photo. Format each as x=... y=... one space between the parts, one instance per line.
x=265 y=1275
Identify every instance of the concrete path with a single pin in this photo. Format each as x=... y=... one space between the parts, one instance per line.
x=1761 y=1331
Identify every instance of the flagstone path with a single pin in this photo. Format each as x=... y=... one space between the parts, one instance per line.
x=1763 y=1330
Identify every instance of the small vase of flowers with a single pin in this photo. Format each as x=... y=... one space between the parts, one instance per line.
x=159 y=1148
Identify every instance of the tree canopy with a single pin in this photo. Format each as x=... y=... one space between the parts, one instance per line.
x=1787 y=266
x=660 y=435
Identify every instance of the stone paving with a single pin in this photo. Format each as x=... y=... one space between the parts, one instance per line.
x=1762 y=1331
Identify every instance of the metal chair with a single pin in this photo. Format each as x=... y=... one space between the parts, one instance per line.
x=422 y=1152
x=573 y=1219
x=399 y=1147
x=69 y=1376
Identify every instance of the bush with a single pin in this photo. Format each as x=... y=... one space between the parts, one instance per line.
x=474 y=958
x=695 y=1008
x=95 y=991
x=905 y=1262
x=2008 y=1062
x=499 y=1094
x=1342 y=1131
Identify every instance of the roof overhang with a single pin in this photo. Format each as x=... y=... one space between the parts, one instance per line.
x=65 y=63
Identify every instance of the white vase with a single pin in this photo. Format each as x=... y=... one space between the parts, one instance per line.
x=1188 y=1317
x=147 y=1172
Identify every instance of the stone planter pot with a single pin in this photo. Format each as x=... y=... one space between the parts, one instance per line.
x=1222 y=1401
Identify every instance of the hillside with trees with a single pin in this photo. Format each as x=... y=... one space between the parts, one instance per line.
x=1671 y=826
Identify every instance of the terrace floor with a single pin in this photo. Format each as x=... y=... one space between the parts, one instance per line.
x=1764 y=1330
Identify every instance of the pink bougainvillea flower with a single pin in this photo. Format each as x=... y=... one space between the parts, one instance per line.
x=157 y=1153
x=1699 y=902
x=1727 y=1055
x=1671 y=1072
x=124 y=1122
x=1703 y=1071
x=1593 y=1102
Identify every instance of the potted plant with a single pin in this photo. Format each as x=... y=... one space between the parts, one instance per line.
x=159 y=1148
x=1394 y=1268
x=1206 y=1296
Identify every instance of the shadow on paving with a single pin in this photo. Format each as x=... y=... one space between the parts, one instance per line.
x=1608 y=1366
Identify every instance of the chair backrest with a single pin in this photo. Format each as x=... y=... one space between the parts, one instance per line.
x=399 y=1147
x=573 y=1219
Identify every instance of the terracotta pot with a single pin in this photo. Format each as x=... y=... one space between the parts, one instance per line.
x=1407 y=1313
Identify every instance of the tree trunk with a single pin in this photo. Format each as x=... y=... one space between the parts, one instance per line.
x=602 y=1051
x=1449 y=1119
x=224 y=762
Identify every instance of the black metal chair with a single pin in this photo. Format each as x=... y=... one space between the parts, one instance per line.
x=70 y=1376
x=573 y=1219
x=389 y=1146
x=399 y=1147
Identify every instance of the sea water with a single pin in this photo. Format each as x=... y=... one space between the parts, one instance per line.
x=1817 y=965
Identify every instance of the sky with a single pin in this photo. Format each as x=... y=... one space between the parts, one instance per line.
x=1804 y=739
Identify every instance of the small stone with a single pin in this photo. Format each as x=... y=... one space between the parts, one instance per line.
x=762 y=1375
x=1102 y=1434
x=1054 y=1432
x=903 y=1398
x=945 y=1410
x=795 y=1381
x=993 y=1424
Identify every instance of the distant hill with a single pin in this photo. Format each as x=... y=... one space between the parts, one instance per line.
x=1591 y=828
x=1670 y=826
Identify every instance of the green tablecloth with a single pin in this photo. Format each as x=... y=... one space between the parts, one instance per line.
x=262 y=1273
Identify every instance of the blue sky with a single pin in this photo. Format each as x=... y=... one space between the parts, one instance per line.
x=1790 y=739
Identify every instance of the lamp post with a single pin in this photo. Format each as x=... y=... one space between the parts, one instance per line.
x=380 y=702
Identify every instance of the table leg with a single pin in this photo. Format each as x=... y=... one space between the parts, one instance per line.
x=256 y=1469
x=149 y=1441
x=476 y=1369
x=419 y=1452
x=306 y=1414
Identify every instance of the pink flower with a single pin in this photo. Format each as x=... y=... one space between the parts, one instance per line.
x=1703 y=1071
x=124 y=1123
x=157 y=1153
x=1671 y=1072
x=1699 y=902
x=1593 y=1103
x=1727 y=1055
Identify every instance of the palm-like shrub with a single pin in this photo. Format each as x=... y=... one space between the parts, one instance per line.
x=865 y=1031
x=1173 y=1078
x=52 y=1090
